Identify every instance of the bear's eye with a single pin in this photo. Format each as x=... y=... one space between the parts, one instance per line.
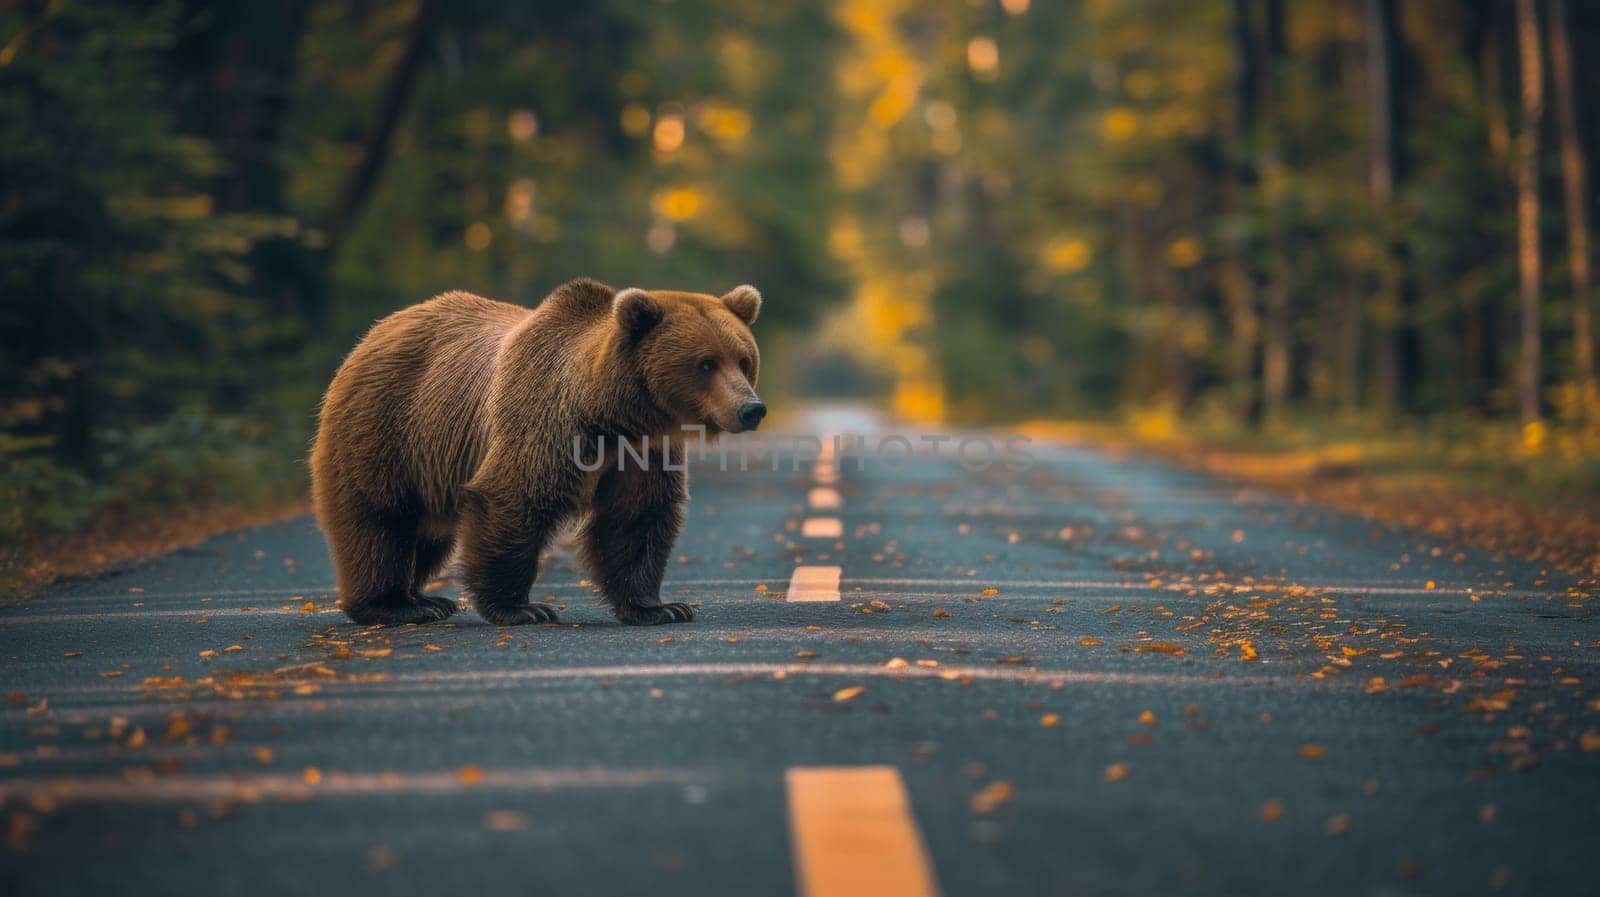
x=744 y=365
x=708 y=365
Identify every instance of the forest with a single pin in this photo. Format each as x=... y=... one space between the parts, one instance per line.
x=1235 y=215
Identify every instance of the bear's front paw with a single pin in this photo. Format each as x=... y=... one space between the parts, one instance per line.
x=651 y=615
x=517 y=614
x=437 y=607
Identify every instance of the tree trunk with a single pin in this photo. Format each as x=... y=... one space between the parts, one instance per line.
x=1276 y=349
x=1527 y=182
x=1381 y=164
x=1575 y=192
x=358 y=187
x=1241 y=281
x=1399 y=344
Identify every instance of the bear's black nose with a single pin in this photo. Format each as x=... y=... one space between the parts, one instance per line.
x=750 y=415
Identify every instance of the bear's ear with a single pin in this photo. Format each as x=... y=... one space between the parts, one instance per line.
x=637 y=311
x=745 y=302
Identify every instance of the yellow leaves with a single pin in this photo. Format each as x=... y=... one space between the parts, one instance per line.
x=669 y=132
x=896 y=663
x=635 y=119
x=1589 y=740
x=1147 y=718
x=1247 y=651
x=1337 y=825
x=1066 y=255
x=726 y=123
x=1183 y=252
x=310 y=607
x=894 y=101
x=1312 y=752
x=178 y=728
x=1272 y=811
x=1116 y=772
x=848 y=694
x=1090 y=642
x=311 y=775
x=1050 y=720
x=262 y=754
x=1535 y=435
x=983 y=57
x=989 y=593
x=505 y=821
x=1162 y=648
x=469 y=774
x=940 y=612
x=1119 y=125
x=992 y=796
x=677 y=203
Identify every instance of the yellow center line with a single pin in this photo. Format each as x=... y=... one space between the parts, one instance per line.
x=824 y=498
x=813 y=583
x=853 y=834
x=821 y=528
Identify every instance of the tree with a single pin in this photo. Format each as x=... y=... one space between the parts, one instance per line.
x=1529 y=257
x=1241 y=280
x=1576 y=199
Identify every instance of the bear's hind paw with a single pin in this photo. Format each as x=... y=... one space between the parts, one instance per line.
x=652 y=615
x=517 y=614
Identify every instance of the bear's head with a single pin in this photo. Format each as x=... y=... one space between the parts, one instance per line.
x=696 y=354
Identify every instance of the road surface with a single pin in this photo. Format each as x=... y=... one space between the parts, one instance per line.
x=1101 y=675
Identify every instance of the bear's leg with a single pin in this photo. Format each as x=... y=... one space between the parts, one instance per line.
x=376 y=559
x=431 y=553
x=500 y=544
x=628 y=540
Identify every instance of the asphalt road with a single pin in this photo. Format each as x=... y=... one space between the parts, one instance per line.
x=1098 y=676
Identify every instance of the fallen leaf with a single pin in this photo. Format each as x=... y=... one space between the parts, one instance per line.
x=1116 y=772
x=995 y=794
x=1162 y=648
x=848 y=694
x=505 y=821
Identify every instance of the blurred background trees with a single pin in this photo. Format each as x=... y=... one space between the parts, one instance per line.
x=1236 y=213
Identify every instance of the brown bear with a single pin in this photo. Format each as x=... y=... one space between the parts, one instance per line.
x=469 y=421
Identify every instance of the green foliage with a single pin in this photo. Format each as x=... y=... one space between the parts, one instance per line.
x=184 y=258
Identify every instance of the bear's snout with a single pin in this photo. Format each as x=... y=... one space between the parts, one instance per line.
x=751 y=414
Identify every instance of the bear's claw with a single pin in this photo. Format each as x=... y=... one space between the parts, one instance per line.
x=518 y=614
x=438 y=604
x=674 y=612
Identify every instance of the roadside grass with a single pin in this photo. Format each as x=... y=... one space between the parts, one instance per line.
x=1532 y=493
x=143 y=492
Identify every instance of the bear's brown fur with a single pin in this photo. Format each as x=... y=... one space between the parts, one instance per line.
x=454 y=422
